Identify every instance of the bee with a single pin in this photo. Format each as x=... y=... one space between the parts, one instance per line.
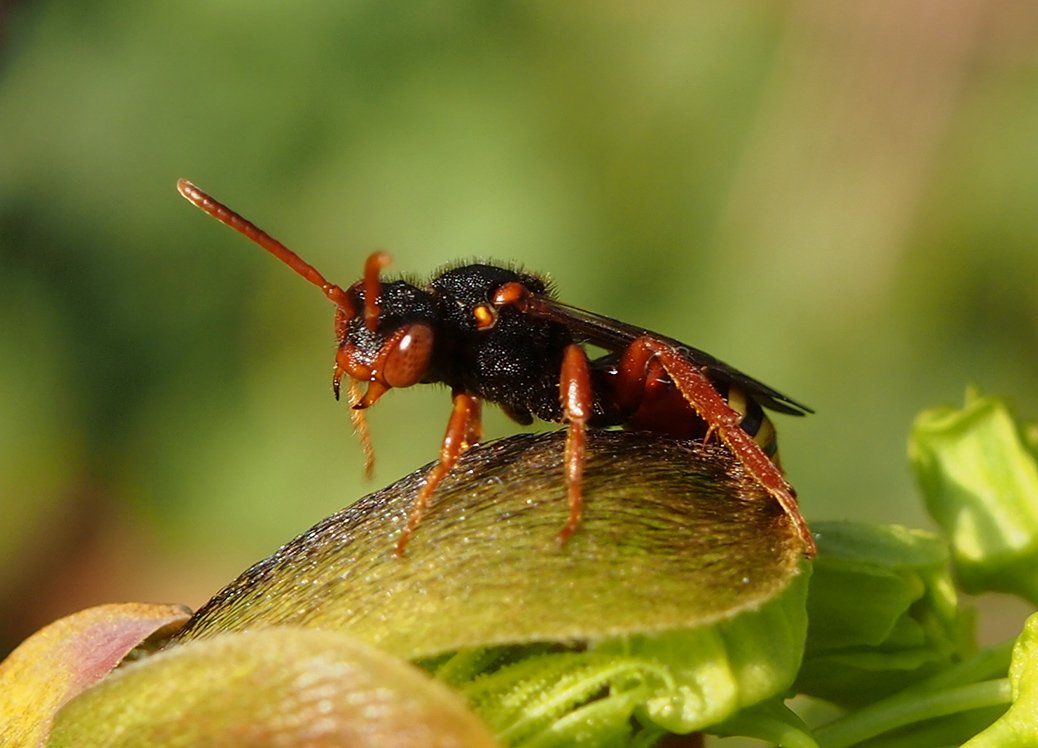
x=497 y=334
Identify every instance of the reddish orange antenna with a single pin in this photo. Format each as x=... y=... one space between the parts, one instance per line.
x=225 y=215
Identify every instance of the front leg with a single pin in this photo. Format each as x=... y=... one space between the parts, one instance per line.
x=463 y=430
x=701 y=395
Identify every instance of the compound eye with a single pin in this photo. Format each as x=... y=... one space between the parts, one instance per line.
x=407 y=355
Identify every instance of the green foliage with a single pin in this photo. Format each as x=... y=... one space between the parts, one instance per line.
x=1017 y=728
x=731 y=621
x=678 y=603
x=977 y=473
x=887 y=638
x=883 y=612
x=630 y=687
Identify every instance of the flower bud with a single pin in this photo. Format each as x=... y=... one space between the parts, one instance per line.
x=979 y=478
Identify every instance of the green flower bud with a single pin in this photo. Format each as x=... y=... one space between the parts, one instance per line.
x=977 y=470
x=882 y=612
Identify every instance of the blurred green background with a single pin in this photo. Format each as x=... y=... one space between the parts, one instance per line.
x=840 y=199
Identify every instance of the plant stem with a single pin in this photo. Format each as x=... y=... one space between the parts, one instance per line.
x=904 y=709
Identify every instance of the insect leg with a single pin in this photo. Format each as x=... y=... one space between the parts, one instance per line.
x=463 y=426
x=700 y=394
x=575 y=393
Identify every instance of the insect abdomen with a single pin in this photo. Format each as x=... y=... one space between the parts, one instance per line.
x=754 y=421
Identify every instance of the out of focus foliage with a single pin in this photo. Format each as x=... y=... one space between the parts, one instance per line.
x=838 y=200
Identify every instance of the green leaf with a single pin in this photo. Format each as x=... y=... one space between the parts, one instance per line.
x=882 y=611
x=277 y=687
x=944 y=709
x=681 y=595
x=773 y=722
x=980 y=481
x=673 y=536
x=718 y=670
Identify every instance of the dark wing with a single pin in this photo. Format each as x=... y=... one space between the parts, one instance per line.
x=615 y=336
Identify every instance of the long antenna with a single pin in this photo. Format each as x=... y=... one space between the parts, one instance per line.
x=225 y=215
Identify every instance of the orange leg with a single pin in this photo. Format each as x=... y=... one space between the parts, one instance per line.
x=721 y=419
x=463 y=429
x=575 y=393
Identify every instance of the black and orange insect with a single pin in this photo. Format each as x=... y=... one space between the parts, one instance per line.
x=497 y=334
